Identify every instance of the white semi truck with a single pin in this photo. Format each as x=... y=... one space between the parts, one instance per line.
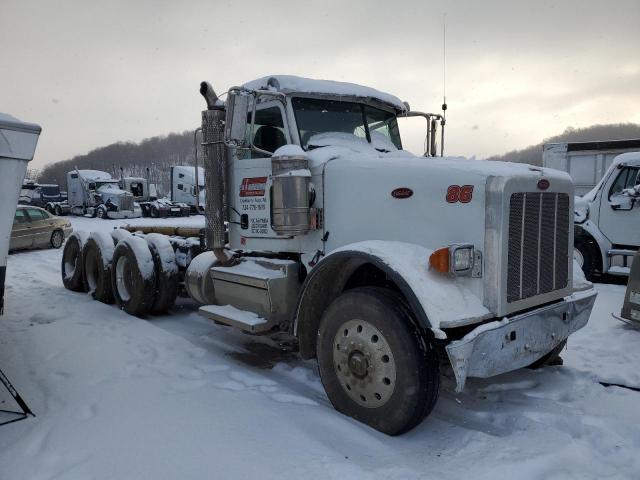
x=95 y=193
x=607 y=220
x=187 y=188
x=146 y=197
x=586 y=162
x=18 y=142
x=390 y=269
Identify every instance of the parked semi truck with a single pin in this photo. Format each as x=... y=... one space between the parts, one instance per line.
x=95 y=193
x=17 y=145
x=586 y=162
x=41 y=195
x=389 y=269
x=607 y=220
x=185 y=189
x=145 y=196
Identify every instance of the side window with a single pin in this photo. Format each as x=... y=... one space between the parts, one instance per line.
x=268 y=130
x=627 y=178
x=20 y=217
x=35 y=215
x=180 y=186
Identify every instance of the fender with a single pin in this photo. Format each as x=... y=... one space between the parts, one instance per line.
x=435 y=299
x=603 y=242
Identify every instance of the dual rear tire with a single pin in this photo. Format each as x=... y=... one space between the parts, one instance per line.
x=139 y=274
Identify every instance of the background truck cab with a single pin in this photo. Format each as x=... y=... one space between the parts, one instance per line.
x=607 y=220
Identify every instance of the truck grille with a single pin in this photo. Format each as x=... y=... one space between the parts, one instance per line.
x=537 y=259
x=126 y=202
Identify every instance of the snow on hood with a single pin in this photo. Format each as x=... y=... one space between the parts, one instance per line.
x=293 y=84
x=350 y=148
x=112 y=189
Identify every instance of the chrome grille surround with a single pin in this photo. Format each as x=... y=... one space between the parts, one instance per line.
x=501 y=280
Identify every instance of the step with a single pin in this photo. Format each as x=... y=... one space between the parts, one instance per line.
x=621 y=251
x=619 y=271
x=229 y=315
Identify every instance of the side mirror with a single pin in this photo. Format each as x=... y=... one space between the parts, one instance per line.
x=235 y=130
x=432 y=135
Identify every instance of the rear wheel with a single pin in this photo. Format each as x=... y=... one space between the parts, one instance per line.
x=166 y=272
x=154 y=212
x=57 y=210
x=132 y=276
x=71 y=268
x=374 y=364
x=97 y=255
x=57 y=238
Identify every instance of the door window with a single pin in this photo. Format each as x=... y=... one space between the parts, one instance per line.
x=268 y=130
x=20 y=217
x=36 y=215
x=627 y=178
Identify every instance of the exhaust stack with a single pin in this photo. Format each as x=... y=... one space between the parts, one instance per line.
x=213 y=121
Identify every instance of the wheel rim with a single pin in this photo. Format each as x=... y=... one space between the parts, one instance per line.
x=578 y=257
x=91 y=270
x=364 y=363
x=123 y=278
x=70 y=260
x=57 y=239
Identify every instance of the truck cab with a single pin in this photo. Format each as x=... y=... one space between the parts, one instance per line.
x=338 y=222
x=607 y=220
x=95 y=193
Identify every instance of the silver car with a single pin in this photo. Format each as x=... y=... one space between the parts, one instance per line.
x=34 y=227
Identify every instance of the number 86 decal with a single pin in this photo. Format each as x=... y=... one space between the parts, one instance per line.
x=457 y=193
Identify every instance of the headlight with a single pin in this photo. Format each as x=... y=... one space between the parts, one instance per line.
x=460 y=259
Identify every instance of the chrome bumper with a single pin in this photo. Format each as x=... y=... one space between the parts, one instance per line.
x=518 y=341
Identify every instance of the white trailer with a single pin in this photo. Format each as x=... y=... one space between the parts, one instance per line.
x=586 y=162
x=17 y=145
x=388 y=268
x=185 y=189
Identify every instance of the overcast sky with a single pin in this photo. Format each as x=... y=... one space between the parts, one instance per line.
x=93 y=73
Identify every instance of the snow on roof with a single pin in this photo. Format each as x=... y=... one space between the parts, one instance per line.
x=293 y=84
x=18 y=139
x=629 y=158
x=94 y=174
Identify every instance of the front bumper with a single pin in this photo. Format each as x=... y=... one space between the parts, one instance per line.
x=515 y=342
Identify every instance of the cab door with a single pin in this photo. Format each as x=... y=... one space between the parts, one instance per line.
x=620 y=208
x=21 y=232
x=251 y=173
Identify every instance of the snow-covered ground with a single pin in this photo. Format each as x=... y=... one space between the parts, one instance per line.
x=175 y=396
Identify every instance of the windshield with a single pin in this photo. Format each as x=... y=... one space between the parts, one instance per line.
x=316 y=116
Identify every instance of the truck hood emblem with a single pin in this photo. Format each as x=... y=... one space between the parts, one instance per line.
x=543 y=184
x=402 y=192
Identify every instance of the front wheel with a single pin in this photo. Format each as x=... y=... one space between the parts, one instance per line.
x=587 y=255
x=101 y=212
x=374 y=364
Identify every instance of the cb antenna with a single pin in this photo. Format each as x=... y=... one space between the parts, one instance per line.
x=443 y=120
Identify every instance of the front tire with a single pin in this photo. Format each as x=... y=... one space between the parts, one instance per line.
x=57 y=239
x=101 y=212
x=374 y=364
x=587 y=254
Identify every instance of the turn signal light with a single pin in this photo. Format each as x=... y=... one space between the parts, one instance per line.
x=439 y=260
